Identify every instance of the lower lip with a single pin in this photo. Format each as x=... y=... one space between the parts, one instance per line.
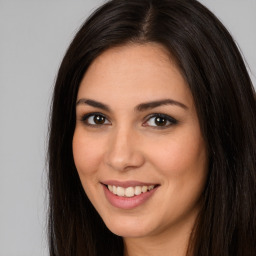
x=127 y=203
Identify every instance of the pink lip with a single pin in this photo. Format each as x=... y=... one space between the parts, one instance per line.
x=127 y=203
x=126 y=184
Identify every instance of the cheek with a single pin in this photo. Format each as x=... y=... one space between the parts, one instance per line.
x=87 y=153
x=183 y=166
x=180 y=155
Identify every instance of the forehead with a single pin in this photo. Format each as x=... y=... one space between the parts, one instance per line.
x=135 y=58
x=143 y=70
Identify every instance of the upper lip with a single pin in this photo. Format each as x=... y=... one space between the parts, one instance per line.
x=126 y=184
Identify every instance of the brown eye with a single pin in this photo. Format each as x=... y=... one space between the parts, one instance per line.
x=160 y=121
x=94 y=119
x=98 y=119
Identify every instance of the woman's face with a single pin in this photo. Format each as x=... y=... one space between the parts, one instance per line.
x=137 y=145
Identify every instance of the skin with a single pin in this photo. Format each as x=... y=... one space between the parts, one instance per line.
x=129 y=145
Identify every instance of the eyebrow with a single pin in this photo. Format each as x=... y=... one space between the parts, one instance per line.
x=93 y=103
x=140 y=107
x=157 y=103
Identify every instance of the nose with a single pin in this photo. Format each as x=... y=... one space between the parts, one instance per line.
x=124 y=151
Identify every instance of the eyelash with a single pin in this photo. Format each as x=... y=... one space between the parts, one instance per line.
x=170 y=120
x=85 y=118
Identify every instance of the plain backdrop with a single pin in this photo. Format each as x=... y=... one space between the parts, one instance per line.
x=34 y=36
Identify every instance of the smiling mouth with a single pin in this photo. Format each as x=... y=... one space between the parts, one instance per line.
x=129 y=191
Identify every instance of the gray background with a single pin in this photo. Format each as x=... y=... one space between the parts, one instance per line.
x=34 y=36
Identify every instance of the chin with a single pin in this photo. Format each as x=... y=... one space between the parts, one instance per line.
x=129 y=232
x=129 y=228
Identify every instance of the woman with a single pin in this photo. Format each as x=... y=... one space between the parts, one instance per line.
x=152 y=138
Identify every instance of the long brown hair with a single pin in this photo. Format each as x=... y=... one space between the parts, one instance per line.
x=225 y=100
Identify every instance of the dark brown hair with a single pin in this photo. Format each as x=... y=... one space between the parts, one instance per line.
x=225 y=101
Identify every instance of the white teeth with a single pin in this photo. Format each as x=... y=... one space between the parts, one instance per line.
x=130 y=191
x=120 y=191
x=150 y=187
x=114 y=190
x=144 y=189
x=137 y=190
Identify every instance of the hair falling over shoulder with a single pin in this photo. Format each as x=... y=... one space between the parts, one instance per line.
x=225 y=101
